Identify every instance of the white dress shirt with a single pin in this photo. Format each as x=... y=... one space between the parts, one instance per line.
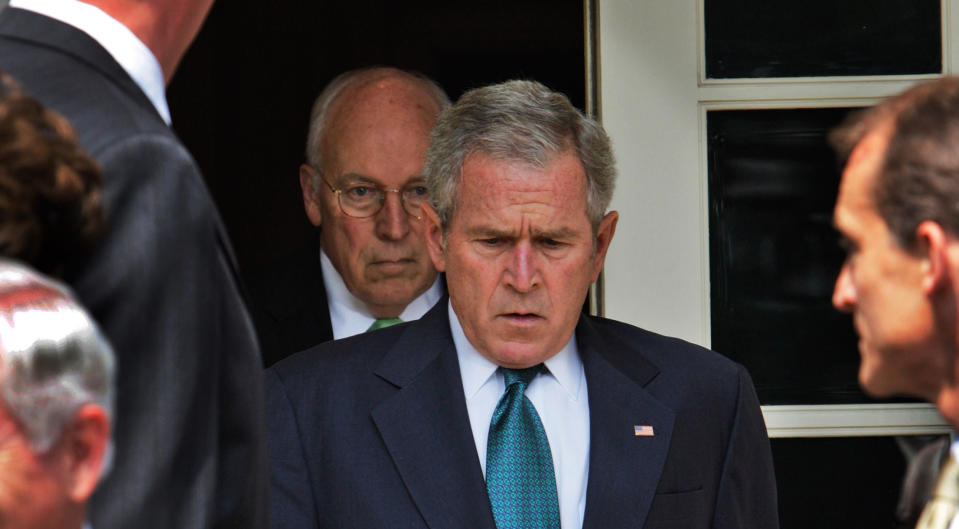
x=559 y=396
x=350 y=316
x=121 y=43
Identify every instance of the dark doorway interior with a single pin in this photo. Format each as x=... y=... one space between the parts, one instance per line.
x=241 y=98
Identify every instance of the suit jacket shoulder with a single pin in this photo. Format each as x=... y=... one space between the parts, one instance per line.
x=703 y=461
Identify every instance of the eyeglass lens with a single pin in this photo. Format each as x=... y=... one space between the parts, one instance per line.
x=365 y=200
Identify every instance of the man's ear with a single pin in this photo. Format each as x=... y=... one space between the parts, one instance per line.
x=937 y=259
x=604 y=235
x=81 y=450
x=434 y=237
x=310 y=197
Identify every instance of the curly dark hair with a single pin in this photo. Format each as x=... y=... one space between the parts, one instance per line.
x=50 y=208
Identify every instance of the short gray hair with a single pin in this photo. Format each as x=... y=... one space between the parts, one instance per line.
x=351 y=79
x=520 y=121
x=53 y=358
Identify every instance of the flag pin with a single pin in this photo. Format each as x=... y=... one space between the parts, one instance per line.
x=643 y=430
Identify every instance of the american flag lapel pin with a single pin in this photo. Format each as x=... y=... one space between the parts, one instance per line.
x=643 y=430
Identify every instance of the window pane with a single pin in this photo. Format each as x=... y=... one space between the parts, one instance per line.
x=773 y=254
x=759 y=38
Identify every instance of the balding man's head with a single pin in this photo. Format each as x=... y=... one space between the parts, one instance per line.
x=362 y=183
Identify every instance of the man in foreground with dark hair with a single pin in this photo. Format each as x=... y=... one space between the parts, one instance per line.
x=898 y=215
x=56 y=403
x=161 y=282
x=505 y=406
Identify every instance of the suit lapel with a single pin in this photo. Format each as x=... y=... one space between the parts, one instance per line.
x=624 y=468
x=25 y=25
x=426 y=429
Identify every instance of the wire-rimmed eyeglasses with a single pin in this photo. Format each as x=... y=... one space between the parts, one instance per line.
x=362 y=199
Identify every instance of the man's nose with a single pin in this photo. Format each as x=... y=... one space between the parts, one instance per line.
x=392 y=222
x=844 y=293
x=522 y=272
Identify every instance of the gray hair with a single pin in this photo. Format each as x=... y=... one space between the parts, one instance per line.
x=520 y=121
x=53 y=358
x=355 y=79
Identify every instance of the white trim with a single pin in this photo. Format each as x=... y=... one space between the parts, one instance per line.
x=783 y=104
x=836 y=80
x=853 y=420
x=705 y=306
x=946 y=11
x=753 y=91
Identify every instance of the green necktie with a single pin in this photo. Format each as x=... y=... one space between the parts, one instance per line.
x=383 y=322
x=519 y=466
x=941 y=508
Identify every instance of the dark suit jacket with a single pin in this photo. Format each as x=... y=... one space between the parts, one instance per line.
x=162 y=284
x=289 y=305
x=372 y=431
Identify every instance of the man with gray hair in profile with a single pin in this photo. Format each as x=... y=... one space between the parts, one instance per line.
x=362 y=186
x=56 y=403
x=505 y=406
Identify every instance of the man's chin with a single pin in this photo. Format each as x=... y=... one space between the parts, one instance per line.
x=871 y=380
x=880 y=385
x=393 y=292
x=387 y=270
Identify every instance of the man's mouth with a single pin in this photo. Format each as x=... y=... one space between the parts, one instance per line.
x=392 y=262
x=522 y=318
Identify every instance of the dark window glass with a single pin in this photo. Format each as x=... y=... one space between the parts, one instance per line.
x=774 y=255
x=839 y=482
x=759 y=38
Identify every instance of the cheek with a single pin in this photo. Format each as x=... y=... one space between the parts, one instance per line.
x=471 y=278
x=353 y=241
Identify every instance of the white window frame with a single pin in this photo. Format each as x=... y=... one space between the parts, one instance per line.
x=653 y=99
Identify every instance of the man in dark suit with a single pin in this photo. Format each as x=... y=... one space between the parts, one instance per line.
x=505 y=406
x=162 y=282
x=897 y=214
x=362 y=184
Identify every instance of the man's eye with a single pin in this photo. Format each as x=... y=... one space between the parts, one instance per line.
x=550 y=243
x=360 y=192
x=417 y=191
x=491 y=241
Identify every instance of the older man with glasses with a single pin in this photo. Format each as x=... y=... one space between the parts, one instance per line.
x=362 y=187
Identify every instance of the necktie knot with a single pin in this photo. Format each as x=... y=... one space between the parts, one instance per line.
x=383 y=322
x=520 y=376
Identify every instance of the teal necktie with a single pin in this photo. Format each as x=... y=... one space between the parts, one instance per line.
x=519 y=466
x=383 y=322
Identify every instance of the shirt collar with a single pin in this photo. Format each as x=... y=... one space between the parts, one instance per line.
x=122 y=44
x=476 y=370
x=349 y=314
